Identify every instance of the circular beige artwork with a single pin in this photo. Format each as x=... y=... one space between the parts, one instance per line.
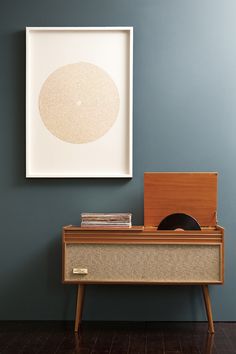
x=79 y=103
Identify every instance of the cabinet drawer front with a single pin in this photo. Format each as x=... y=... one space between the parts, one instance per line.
x=182 y=263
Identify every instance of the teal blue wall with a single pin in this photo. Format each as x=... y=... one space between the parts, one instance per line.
x=184 y=120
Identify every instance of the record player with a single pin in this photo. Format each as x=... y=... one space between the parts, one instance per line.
x=189 y=193
x=146 y=254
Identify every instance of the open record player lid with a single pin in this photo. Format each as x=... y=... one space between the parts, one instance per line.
x=191 y=193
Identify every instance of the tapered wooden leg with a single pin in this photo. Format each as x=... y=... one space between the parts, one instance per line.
x=79 y=306
x=207 y=301
x=209 y=343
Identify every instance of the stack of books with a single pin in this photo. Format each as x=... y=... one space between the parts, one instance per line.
x=104 y=220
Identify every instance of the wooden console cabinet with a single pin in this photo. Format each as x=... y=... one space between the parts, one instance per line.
x=142 y=257
x=145 y=255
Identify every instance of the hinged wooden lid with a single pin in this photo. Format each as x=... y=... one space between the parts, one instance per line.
x=192 y=193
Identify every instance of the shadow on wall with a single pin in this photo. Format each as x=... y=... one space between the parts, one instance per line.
x=143 y=303
x=15 y=106
x=40 y=272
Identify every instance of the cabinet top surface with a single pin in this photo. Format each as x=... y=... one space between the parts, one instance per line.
x=145 y=235
x=140 y=229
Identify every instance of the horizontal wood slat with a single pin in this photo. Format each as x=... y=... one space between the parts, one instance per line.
x=142 y=282
x=95 y=236
x=133 y=242
x=141 y=240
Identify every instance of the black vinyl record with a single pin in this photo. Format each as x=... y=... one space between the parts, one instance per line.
x=179 y=221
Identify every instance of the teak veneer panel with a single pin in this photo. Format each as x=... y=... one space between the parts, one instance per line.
x=191 y=193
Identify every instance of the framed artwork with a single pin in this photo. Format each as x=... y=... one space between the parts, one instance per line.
x=79 y=101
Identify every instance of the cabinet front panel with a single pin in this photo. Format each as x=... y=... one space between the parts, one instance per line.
x=142 y=263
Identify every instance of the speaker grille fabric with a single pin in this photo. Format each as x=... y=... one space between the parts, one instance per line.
x=143 y=263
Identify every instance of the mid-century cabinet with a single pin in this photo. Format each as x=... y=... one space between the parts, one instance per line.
x=145 y=255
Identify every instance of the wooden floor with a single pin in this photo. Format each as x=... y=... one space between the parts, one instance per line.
x=119 y=338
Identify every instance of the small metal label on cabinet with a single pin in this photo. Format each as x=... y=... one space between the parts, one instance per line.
x=80 y=271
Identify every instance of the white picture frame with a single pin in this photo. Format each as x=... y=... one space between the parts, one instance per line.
x=110 y=51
